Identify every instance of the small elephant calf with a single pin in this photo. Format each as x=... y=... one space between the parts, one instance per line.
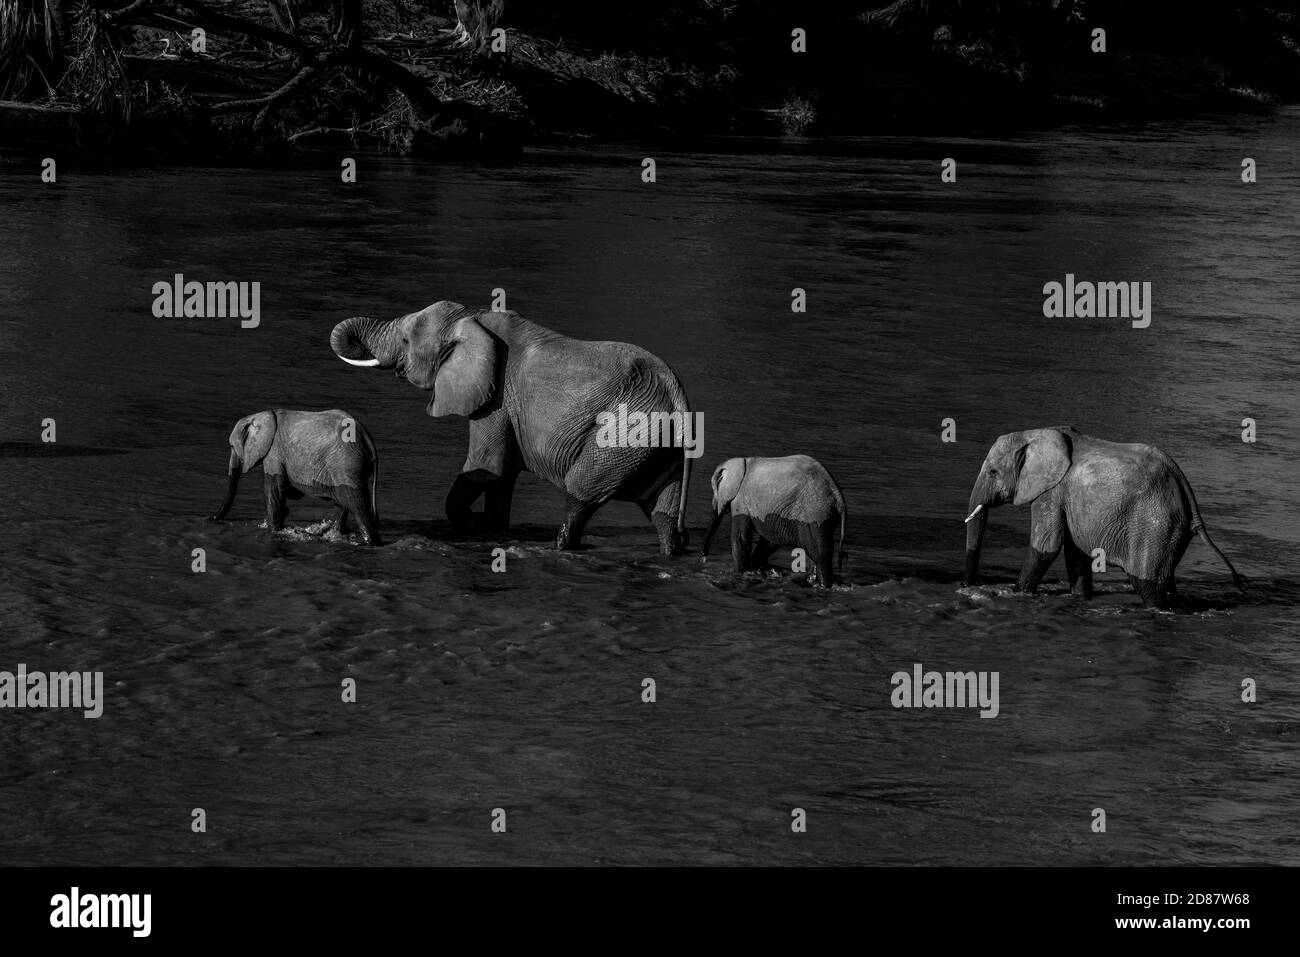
x=327 y=454
x=779 y=501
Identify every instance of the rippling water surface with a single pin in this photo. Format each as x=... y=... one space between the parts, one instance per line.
x=523 y=690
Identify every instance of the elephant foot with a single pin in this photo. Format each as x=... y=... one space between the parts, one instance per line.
x=1036 y=565
x=671 y=542
x=1152 y=593
x=576 y=513
x=462 y=527
x=489 y=526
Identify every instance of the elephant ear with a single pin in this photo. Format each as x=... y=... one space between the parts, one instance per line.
x=1046 y=460
x=467 y=370
x=255 y=436
x=726 y=482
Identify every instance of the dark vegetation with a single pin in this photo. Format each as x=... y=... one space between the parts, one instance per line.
x=419 y=76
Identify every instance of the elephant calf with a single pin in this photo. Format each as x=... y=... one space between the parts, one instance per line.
x=1131 y=501
x=782 y=501
x=328 y=454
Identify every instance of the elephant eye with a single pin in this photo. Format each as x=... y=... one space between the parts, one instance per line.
x=993 y=471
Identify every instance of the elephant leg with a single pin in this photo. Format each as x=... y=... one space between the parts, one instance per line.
x=576 y=514
x=1155 y=553
x=818 y=544
x=661 y=510
x=356 y=501
x=763 y=550
x=1035 y=567
x=649 y=477
x=664 y=516
x=1078 y=565
x=492 y=464
x=1176 y=555
x=826 y=550
x=742 y=541
x=1173 y=597
x=1154 y=594
x=276 y=488
x=496 y=504
x=344 y=527
x=460 y=500
x=664 y=525
x=1046 y=538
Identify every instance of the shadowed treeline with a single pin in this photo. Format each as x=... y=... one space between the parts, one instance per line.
x=436 y=76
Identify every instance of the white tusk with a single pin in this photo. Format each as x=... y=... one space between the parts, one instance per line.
x=360 y=362
x=973 y=514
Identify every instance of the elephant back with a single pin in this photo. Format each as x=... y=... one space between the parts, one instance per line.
x=796 y=487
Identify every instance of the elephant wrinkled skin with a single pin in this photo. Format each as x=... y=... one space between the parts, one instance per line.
x=779 y=501
x=533 y=398
x=1132 y=501
x=327 y=454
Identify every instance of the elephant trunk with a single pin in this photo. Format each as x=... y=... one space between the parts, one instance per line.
x=976 y=522
x=367 y=342
x=713 y=527
x=232 y=484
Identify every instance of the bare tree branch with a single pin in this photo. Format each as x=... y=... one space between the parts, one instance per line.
x=295 y=83
x=314 y=62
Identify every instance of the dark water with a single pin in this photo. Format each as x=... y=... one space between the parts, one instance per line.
x=522 y=690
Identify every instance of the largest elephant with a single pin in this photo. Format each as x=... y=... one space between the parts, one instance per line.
x=534 y=399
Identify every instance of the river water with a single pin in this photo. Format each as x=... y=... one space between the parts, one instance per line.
x=523 y=691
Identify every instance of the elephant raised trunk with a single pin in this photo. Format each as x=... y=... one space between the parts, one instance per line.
x=367 y=342
x=981 y=500
x=232 y=486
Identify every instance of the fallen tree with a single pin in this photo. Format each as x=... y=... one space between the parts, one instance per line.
x=306 y=52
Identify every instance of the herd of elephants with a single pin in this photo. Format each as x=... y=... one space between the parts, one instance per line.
x=534 y=397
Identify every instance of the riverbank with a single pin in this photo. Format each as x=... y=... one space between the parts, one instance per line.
x=908 y=68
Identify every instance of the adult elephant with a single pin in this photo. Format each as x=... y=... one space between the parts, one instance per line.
x=1132 y=501
x=535 y=401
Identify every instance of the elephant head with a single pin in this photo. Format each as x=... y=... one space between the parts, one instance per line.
x=1019 y=467
x=443 y=349
x=726 y=486
x=250 y=442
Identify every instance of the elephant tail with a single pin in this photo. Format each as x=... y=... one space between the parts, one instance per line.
x=844 y=515
x=1198 y=525
x=374 y=477
x=677 y=395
